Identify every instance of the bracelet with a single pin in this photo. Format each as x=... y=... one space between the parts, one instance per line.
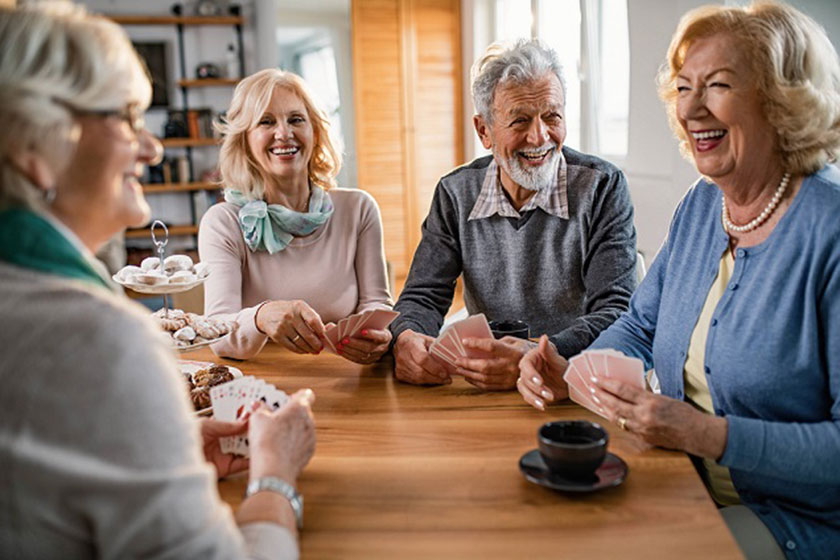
x=257 y=312
x=274 y=484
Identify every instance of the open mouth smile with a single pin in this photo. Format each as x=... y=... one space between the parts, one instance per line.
x=705 y=140
x=535 y=157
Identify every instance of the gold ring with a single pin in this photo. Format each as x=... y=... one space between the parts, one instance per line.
x=622 y=422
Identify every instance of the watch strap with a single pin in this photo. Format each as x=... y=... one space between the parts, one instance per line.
x=280 y=486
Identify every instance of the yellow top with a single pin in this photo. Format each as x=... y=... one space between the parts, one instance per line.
x=697 y=389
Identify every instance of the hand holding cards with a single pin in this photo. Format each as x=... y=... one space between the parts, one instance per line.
x=607 y=364
x=372 y=319
x=448 y=346
x=232 y=400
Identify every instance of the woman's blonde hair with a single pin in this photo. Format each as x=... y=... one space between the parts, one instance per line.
x=797 y=76
x=250 y=99
x=54 y=57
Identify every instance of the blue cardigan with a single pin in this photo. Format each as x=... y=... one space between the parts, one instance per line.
x=772 y=353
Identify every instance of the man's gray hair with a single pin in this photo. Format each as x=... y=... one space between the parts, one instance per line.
x=524 y=61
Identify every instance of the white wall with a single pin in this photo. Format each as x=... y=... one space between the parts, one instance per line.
x=658 y=176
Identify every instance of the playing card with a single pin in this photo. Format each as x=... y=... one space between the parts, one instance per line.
x=378 y=320
x=474 y=326
x=450 y=341
x=653 y=382
x=342 y=329
x=439 y=352
x=332 y=338
x=327 y=328
x=585 y=401
x=627 y=370
x=356 y=321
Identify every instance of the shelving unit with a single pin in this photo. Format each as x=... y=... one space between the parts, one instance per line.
x=191 y=184
x=180 y=187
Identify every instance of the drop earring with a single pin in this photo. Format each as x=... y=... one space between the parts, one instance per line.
x=49 y=196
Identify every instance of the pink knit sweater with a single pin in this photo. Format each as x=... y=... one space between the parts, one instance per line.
x=338 y=270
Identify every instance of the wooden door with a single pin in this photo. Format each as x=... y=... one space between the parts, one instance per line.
x=407 y=76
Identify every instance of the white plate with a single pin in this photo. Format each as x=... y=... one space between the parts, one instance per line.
x=190 y=367
x=191 y=347
x=160 y=289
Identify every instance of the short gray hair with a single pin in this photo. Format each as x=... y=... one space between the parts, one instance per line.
x=525 y=61
x=54 y=55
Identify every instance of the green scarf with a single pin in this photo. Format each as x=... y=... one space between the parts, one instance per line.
x=30 y=241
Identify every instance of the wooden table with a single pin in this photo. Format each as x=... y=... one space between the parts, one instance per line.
x=432 y=472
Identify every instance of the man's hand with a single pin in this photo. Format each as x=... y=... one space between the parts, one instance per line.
x=496 y=373
x=225 y=463
x=413 y=362
x=541 y=375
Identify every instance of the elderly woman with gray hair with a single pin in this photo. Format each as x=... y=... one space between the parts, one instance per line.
x=740 y=312
x=100 y=455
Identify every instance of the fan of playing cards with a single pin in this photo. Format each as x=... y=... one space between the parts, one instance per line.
x=607 y=364
x=233 y=399
x=373 y=319
x=448 y=347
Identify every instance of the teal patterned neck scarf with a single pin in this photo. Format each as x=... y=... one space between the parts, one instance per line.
x=30 y=241
x=271 y=227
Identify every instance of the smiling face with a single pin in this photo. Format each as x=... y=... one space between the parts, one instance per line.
x=283 y=140
x=527 y=132
x=99 y=192
x=719 y=108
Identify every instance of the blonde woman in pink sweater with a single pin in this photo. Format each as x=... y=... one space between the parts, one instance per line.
x=287 y=250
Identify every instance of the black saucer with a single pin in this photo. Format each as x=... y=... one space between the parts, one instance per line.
x=612 y=472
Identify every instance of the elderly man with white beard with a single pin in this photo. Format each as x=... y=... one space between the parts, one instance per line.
x=540 y=232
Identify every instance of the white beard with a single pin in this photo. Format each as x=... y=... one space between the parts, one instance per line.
x=532 y=178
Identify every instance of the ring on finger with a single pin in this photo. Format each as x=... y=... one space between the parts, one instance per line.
x=296 y=338
x=622 y=422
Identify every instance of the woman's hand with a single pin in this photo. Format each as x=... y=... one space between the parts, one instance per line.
x=662 y=421
x=293 y=324
x=541 y=375
x=282 y=441
x=225 y=463
x=366 y=346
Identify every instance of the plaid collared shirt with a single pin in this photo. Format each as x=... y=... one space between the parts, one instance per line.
x=492 y=200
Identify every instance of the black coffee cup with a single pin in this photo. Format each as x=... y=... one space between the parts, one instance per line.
x=573 y=448
x=518 y=329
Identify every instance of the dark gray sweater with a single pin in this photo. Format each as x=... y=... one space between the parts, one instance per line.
x=567 y=278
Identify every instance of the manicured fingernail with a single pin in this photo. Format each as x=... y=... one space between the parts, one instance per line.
x=364 y=332
x=539 y=404
x=536 y=380
x=345 y=340
x=545 y=394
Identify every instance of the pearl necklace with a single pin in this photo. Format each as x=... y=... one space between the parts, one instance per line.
x=761 y=218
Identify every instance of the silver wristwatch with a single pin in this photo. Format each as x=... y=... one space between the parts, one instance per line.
x=280 y=486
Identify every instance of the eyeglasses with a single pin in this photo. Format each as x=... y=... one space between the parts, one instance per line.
x=131 y=114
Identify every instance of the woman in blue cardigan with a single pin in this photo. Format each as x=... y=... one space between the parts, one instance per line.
x=740 y=313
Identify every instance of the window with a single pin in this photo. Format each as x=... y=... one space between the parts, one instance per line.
x=591 y=39
x=317 y=68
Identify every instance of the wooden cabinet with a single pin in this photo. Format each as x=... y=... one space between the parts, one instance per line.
x=187 y=185
x=407 y=92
